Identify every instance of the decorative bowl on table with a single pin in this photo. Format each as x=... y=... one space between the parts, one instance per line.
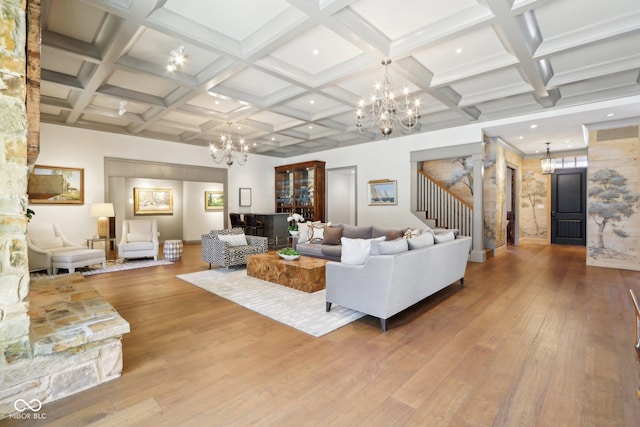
x=289 y=254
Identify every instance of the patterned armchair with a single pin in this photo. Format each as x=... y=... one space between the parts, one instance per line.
x=227 y=247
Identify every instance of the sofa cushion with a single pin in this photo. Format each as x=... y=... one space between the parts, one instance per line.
x=421 y=241
x=332 y=235
x=233 y=239
x=356 y=251
x=309 y=249
x=356 y=232
x=389 y=247
x=138 y=246
x=48 y=243
x=331 y=251
x=445 y=237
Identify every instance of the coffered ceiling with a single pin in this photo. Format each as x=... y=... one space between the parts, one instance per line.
x=289 y=73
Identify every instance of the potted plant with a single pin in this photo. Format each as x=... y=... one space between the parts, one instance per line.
x=293 y=220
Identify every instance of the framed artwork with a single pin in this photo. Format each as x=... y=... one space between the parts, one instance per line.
x=56 y=185
x=245 y=197
x=383 y=192
x=213 y=200
x=152 y=201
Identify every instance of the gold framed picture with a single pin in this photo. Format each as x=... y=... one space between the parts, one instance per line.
x=213 y=200
x=152 y=201
x=56 y=185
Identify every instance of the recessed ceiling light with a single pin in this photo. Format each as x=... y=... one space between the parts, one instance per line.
x=315 y=51
x=312 y=102
x=533 y=126
x=310 y=127
x=610 y=115
x=273 y=138
x=459 y=50
x=521 y=137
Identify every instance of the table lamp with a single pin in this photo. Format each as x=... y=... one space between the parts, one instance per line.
x=102 y=211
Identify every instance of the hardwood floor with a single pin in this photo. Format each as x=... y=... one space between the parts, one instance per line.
x=535 y=338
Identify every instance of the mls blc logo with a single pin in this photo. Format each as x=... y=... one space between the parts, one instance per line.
x=22 y=406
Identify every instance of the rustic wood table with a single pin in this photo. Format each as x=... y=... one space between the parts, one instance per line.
x=305 y=273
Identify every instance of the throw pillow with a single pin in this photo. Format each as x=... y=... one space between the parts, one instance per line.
x=394 y=234
x=303 y=228
x=389 y=247
x=411 y=233
x=356 y=251
x=233 y=239
x=421 y=241
x=445 y=237
x=332 y=235
x=316 y=231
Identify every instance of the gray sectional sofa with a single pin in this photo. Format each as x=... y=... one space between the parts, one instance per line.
x=386 y=284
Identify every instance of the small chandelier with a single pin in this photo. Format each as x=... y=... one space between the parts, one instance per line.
x=545 y=162
x=384 y=110
x=176 y=59
x=229 y=151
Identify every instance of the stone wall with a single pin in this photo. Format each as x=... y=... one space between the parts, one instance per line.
x=14 y=267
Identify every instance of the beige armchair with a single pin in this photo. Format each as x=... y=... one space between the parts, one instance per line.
x=139 y=239
x=44 y=239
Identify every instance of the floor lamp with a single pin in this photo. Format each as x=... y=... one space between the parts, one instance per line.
x=102 y=211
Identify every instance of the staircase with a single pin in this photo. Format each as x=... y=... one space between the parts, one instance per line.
x=442 y=208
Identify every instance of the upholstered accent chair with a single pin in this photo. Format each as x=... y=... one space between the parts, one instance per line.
x=231 y=247
x=44 y=239
x=139 y=239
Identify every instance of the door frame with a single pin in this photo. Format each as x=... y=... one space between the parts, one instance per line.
x=517 y=182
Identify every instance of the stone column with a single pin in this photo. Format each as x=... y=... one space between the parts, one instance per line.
x=14 y=266
x=477 y=251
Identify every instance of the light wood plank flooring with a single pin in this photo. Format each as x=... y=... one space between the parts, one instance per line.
x=535 y=338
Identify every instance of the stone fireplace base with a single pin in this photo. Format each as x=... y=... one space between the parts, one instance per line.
x=74 y=344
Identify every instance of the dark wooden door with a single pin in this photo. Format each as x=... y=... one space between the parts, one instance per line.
x=568 y=206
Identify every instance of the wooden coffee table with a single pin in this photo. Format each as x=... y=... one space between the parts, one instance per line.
x=305 y=273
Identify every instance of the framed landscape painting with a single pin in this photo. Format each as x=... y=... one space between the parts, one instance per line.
x=213 y=200
x=383 y=192
x=152 y=201
x=56 y=185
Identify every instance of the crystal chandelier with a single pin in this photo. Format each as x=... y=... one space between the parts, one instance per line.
x=229 y=151
x=384 y=110
x=545 y=162
x=176 y=59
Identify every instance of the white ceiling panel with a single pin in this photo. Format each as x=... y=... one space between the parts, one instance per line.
x=236 y=19
x=316 y=51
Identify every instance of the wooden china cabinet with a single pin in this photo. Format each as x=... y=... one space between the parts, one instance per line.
x=300 y=189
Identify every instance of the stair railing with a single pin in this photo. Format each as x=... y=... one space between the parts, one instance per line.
x=438 y=203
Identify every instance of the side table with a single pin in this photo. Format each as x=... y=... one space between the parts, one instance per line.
x=106 y=240
x=172 y=250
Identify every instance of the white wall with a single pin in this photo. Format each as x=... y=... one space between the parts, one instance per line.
x=390 y=160
x=81 y=148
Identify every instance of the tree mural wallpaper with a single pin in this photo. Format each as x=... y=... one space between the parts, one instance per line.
x=610 y=202
x=534 y=192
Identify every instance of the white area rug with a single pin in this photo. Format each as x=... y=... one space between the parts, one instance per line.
x=298 y=309
x=111 y=266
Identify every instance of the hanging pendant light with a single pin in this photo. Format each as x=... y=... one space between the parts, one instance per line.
x=545 y=162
